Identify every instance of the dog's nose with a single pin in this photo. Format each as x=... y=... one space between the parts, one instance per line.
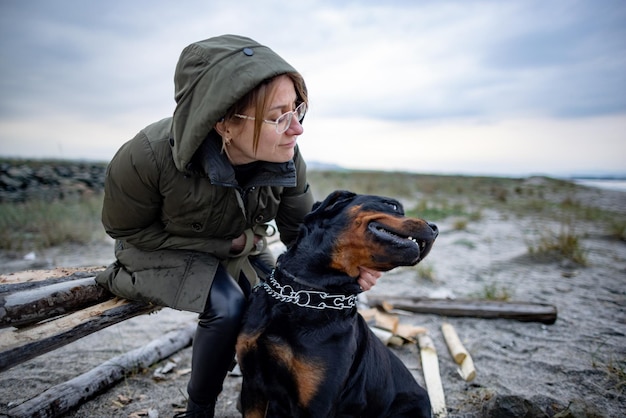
x=435 y=229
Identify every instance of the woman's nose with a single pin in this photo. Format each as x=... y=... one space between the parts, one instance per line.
x=295 y=128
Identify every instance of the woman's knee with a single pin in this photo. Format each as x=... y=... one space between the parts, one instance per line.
x=226 y=302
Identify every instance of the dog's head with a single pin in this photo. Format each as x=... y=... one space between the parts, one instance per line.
x=348 y=230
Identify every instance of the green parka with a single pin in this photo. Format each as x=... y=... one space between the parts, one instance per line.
x=172 y=201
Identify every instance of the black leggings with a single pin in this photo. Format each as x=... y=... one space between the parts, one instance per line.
x=214 y=343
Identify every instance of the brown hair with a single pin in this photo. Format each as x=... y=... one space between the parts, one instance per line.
x=260 y=96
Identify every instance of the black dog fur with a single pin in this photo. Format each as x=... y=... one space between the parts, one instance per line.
x=322 y=360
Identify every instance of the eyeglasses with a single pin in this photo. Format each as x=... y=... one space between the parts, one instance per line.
x=284 y=121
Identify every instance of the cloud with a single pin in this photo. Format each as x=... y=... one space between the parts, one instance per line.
x=512 y=147
x=73 y=69
x=477 y=59
x=402 y=60
x=569 y=62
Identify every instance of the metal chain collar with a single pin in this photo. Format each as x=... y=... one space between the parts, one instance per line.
x=306 y=298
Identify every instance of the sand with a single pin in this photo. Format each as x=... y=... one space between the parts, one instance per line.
x=574 y=368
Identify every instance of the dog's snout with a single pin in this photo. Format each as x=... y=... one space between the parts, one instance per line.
x=434 y=228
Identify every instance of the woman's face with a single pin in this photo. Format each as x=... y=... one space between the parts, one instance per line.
x=273 y=147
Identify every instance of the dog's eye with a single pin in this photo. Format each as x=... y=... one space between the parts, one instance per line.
x=394 y=206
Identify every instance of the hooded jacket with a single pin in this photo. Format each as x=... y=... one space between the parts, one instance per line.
x=172 y=201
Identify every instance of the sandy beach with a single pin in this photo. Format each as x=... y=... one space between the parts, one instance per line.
x=572 y=368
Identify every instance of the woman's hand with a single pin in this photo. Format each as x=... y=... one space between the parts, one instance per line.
x=367 y=278
x=239 y=243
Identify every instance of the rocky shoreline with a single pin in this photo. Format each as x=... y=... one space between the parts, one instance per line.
x=22 y=180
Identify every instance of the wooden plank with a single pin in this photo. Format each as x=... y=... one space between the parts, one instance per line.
x=46 y=301
x=28 y=279
x=432 y=376
x=17 y=346
x=59 y=399
x=488 y=309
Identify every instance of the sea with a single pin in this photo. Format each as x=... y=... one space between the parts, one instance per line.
x=611 y=184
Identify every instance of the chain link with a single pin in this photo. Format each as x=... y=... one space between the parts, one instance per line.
x=305 y=298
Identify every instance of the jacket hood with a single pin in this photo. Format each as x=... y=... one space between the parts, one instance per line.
x=211 y=76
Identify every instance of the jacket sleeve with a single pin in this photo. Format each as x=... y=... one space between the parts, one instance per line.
x=295 y=203
x=132 y=203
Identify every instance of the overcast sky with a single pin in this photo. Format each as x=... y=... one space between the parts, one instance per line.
x=489 y=87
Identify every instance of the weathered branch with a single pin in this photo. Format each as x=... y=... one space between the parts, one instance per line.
x=17 y=346
x=61 y=398
x=489 y=309
x=24 y=307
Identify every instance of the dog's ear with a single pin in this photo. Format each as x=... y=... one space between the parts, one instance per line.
x=335 y=201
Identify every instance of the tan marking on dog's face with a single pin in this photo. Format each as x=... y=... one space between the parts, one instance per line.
x=308 y=375
x=353 y=248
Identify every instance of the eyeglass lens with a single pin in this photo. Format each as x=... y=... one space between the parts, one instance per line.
x=284 y=121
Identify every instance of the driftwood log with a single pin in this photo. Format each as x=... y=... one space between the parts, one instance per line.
x=61 y=398
x=18 y=346
x=29 y=296
x=488 y=309
x=21 y=306
x=48 y=309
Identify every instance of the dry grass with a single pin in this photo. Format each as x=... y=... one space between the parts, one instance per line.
x=565 y=244
x=493 y=291
x=617 y=228
x=426 y=271
x=35 y=225
x=38 y=224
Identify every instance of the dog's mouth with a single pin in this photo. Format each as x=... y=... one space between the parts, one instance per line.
x=421 y=241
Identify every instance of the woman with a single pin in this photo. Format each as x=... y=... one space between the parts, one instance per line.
x=188 y=199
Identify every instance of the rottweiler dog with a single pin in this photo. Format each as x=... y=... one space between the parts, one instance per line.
x=304 y=350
